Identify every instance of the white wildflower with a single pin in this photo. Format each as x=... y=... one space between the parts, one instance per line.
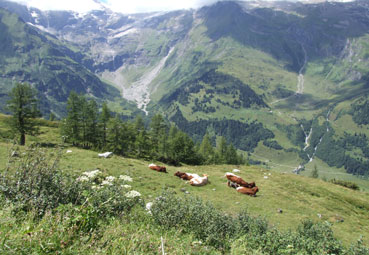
x=92 y=174
x=105 y=182
x=133 y=194
x=110 y=178
x=83 y=179
x=148 y=207
x=125 y=178
x=126 y=186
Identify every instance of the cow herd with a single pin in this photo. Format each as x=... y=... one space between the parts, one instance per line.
x=234 y=181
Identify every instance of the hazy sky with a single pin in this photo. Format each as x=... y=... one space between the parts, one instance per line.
x=124 y=6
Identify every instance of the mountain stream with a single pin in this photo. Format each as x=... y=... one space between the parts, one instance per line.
x=307 y=144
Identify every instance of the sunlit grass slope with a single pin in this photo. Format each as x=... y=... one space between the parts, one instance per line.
x=299 y=197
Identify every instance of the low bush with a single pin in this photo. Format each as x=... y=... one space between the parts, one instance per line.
x=245 y=234
x=33 y=182
x=347 y=184
x=194 y=216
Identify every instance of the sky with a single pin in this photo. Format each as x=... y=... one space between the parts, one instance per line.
x=124 y=6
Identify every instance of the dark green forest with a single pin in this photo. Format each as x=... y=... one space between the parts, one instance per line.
x=88 y=127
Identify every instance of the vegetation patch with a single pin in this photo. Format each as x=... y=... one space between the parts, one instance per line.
x=347 y=184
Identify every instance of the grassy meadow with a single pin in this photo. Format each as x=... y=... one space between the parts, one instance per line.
x=299 y=197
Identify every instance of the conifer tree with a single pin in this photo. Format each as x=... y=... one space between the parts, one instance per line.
x=206 y=150
x=231 y=155
x=104 y=119
x=70 y=128
x=114 y=135
x=91 y=124
x=222 y=151
x=141 y=139
x=23 y=105
x=315 y=173
x=159 y=135
x=52 y=116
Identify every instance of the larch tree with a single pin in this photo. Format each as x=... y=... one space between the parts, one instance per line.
x=23 y=105
x=104 y=119
x=71 y=128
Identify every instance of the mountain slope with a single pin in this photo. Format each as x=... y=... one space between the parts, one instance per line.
x=298 y=197
x=286 y=80
x=29 y=55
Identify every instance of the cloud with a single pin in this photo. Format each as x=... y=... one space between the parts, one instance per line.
x=124 y=6
x=72 y=5
x=139 y=6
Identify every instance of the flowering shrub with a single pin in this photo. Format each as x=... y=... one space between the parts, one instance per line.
x=91 y=176
x=133 y=194
x=108 y=196
x=35 y=183
x=125 y=178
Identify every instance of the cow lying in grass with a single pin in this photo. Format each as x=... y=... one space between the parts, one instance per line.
x=184 y=176
x=248 y=191
x=199 y=181
x=158 y=168
x=238 y=180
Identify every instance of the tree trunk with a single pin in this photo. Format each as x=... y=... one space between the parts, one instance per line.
x=22 y=140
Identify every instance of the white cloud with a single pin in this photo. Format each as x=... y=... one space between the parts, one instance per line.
x=73 y=5
x=124 y=6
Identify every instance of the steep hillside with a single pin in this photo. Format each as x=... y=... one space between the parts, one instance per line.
x=29 y=55
x=285 y=82
x=297 y=197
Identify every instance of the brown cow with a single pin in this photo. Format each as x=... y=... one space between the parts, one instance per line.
x=248 y=191
x=183 y=176
x=238 y=180
x=158 y=168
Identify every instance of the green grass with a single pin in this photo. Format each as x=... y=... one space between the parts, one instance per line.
x=299 y=197
x=134 y=234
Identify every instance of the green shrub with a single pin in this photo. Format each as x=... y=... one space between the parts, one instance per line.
x=194 y=216
x=247 y=224
x=245 y=234
x=33 y=182
x=347 y=184
x=317 y=238
x=358 y=248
